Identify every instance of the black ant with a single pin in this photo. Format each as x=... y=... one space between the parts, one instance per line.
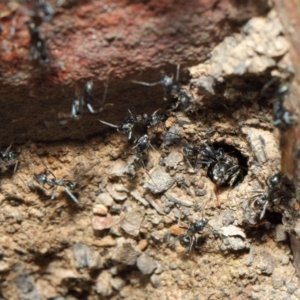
x=283 y=119
x=225 y=171
x=221 y=167
x=78 y=104
x=189 y=238
x=129 y=124
x=286 y=122
x=126 y=126
x=46 y=9
x=208 y=154
x=9 y=158
x=50 y=183
x=142 y=146
x=278 y=187
x=38 y=46
x=172 y=90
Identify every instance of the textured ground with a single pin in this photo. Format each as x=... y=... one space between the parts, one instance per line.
x=120 y=242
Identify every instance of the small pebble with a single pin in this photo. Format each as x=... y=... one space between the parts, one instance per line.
x=85 y=257
x=101 y=223
x=160 y=181
x=176 y=230
x=143 y=244
x=228 y=217
x=173 y=159
x=280 y=233
x=277 y=281
x=126 y=253
x=285 y=259
x=156 y=280
x=291 y=287
x=103 y=285
x=105 y=199
x=117 y=283
x=107 y=241
x=146 y=264
x=173 y=266
x=100 y=209
x=116 y=191
x=132 y=221
x=4 y=266
x=267 y=263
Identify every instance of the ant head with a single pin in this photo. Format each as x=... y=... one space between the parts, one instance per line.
x=13 y=155
x=88 y=88
x=282 y=90
x=167 y=81
x=275 y=180
x=199 y=225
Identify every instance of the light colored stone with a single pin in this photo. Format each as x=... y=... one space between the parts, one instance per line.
x=100 y=209
x=105 y=199
x=146 y=264
x=132 y=221
x=101 y=223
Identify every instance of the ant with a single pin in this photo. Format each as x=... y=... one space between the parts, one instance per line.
x=208 y=154
x=222 y=168
x=172 y=90
x=225 y=170
x=46 y=9
x=10 y=157
x=50 y=183
x=128 y=125
x=285 y=122
x=283 y=119
x=277 y=188
x=189 y=238
x=142 y=146
x=38 y=47
x=153 y=120
x=78 y=104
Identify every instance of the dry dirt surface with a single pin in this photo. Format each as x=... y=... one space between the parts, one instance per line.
x=110 y=217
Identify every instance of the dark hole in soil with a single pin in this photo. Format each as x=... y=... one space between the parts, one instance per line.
x=234 y=152
x=273 y=217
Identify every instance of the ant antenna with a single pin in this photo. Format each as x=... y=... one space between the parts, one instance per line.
x=108 y=124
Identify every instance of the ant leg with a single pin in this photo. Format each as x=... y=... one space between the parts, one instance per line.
x=50 y=172
x=90 y=108
x=29 y=184
x=192 y=242
x=217 y=197
x=262 y=214
x=54 y=193
x=16 y=166
x=146 y=83
x=177 y=72
x=152 y=147
x=7 y=150
x=71 y=195
x=108 y=124
x=142 y=163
